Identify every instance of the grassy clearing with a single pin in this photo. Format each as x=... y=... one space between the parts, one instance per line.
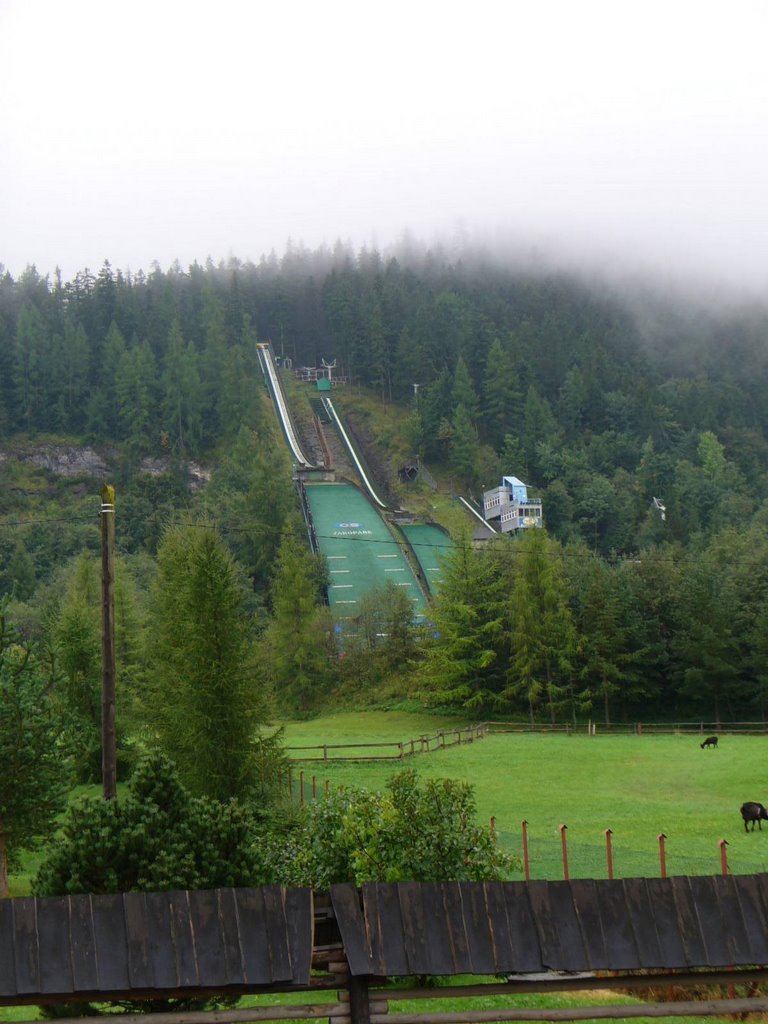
x=638 y=786
x=381 y=726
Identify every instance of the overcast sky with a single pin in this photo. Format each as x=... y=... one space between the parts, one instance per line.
x=158 y=129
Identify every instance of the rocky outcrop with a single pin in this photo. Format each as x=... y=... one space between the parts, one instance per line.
x=198 y=475
x=72 y=461
x=61 y=459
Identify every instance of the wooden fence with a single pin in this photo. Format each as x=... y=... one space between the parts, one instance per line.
x=391 y=751
x=362 y=949
x=595 y=728
x=399 y=750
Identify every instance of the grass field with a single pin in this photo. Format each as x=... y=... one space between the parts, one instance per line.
x=638 y=786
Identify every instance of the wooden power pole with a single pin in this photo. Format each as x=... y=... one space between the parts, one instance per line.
x=108 y=743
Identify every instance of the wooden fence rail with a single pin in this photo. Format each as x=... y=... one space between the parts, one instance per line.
x=396 y=750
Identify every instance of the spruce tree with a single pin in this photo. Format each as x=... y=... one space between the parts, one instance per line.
x=34 y=776
x=299 y=639
x=466 y=656
x=200 y=701
x=543 y=636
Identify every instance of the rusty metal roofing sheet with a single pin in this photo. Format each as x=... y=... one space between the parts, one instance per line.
x=152 y=942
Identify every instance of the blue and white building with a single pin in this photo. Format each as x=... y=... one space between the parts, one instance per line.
x=511 y=505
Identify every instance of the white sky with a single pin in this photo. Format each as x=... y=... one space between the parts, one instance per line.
x=160 y=129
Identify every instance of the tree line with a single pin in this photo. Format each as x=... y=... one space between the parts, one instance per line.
x=614 y=611
x=600 y=401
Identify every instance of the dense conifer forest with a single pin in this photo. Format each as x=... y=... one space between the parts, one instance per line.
x=601 y=400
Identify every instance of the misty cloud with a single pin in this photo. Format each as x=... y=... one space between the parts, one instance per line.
x=606 y=134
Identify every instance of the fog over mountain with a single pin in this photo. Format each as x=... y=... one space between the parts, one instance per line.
x=596 y=135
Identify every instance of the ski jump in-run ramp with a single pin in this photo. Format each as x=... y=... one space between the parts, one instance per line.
x=268 y=368
x=361 y=552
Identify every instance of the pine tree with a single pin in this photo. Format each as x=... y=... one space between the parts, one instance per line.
x=103 y=411
x=463 y=392
x=29 y=367
x=299 y=638
x=201 y=701
x=501 y=395
x=21 y=572
x=543 y=635
x=250 y=495
x=135 y=389
x=182 y=395
x=34 y=778
x=465 y=446
x=466 y=658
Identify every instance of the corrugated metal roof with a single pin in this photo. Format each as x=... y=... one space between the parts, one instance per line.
x=151 y=942
x=530 y=927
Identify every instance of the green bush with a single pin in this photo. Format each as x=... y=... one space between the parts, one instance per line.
x=158 y=838
x=414 y=832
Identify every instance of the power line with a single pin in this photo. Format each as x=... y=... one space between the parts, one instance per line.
x=93 y=518
x=227 y=528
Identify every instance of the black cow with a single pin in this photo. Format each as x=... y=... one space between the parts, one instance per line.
x=754 y=812
x=710 y=741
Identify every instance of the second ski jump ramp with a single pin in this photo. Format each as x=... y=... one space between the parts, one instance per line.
x=430 y=544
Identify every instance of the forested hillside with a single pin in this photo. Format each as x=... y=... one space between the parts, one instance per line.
x=600 y=401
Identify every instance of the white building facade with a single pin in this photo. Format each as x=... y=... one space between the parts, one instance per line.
x=511 y=506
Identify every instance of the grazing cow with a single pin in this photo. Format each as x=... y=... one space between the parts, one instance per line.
x=754 y=812
x=710 y=741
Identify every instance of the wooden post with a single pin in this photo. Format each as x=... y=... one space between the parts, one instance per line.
x=290 y=784
x=662 y=855
x=301 y=789
x=327 y=787
x=609 y=851
x=526 y=860
x=723 y=856
x=563 y=830
x=108 y=742
x=314 y=788
x=359 y=1001
x=492 y=828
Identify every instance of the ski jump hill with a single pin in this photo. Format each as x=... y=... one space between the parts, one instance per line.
x=365 y=542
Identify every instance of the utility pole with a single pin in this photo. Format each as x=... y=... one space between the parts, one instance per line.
x=108 y=743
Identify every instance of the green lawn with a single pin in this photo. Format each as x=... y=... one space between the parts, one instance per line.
x=638 y=786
